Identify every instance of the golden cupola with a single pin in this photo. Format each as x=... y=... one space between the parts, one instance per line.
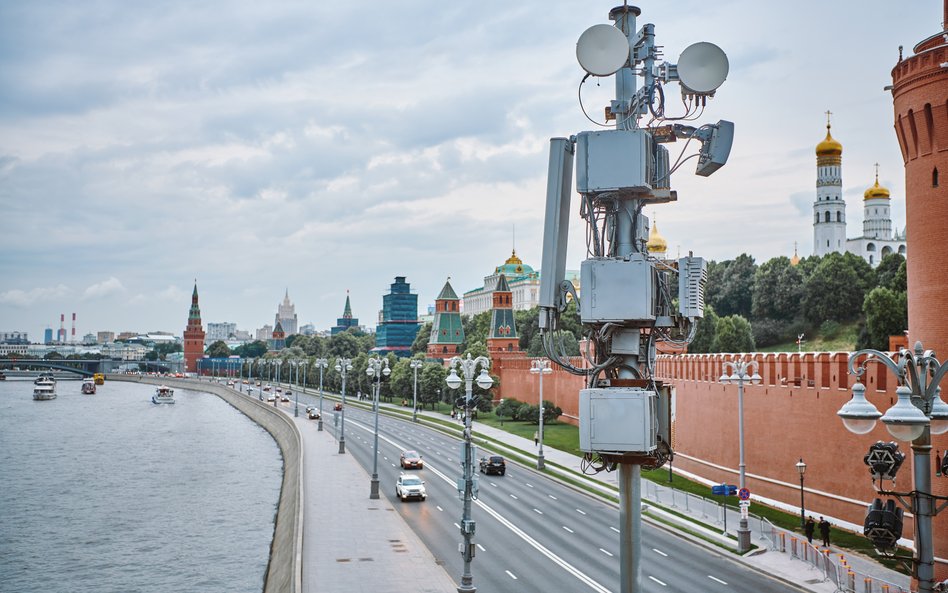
x=656 y=242
x=876 y=191
x=829 y=146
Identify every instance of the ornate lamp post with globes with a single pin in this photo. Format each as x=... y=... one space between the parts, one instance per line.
x=468 y=367
x=321 y=363
x=376 y=368
x=415 y=365
x=540 y=366
x=343 y=366
x=918 y=414
x=739 y=370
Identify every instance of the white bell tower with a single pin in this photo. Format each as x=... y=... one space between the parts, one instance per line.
x=829 y=209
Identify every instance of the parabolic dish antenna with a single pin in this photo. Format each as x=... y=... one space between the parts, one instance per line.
x=702 y=67
x=602 y=50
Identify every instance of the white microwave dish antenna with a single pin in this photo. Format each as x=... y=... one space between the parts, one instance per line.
x=702 y=67
x=602 y=50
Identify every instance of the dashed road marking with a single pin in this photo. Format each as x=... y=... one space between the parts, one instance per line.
x=553 y=497
x=439 y=508
x=657 y=581
x=529 y=485
x=511 y=575
x=481 y=547
x=657 y=551
x=514 y=496
x=614 y=529
x=581 y=511
x=568 y=529
x=606 y=552
x=538 y=511
x=716 y=579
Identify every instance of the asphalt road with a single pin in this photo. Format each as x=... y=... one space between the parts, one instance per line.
x=533 y=533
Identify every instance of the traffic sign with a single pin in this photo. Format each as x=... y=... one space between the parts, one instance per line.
x=744 y=494
x=724 y=490
x=744 y=503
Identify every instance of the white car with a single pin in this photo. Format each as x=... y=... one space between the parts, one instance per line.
x=410 y=486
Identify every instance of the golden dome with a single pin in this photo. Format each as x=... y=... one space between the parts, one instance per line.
x=876 y=191
x=829 y=146
x=656 y=242
x=796 y=258
x=513 y=259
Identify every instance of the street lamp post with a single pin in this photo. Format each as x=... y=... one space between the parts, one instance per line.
x=376 y=368
x=278 y=364
x=296 y=392
x=739 y=374
x=415 y=365
x=540 y=366
x=343 y=366
x=918 y=414
x=801 y=467
x=321 y=363
x=468 y=366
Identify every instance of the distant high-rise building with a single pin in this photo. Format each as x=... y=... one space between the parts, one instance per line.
x=308 y=329
x=286 y=315
x=193 y=335
x=48 y=336
x=104 y=337
x=398 y=324
x=14 y=337
x=447 y=331
x=346 y=321
x=265 y=333
x=220 y=331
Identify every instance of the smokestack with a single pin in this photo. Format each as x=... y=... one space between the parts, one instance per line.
x=62 y=328
x=74 y=317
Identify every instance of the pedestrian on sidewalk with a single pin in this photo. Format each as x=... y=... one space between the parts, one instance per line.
x=808 y=529
x=536 y=438
x=825 y=531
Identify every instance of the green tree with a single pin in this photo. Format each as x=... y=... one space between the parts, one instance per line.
x=218 y=350
x=704 y=336
x=255 y=349
x=887 y=273
x=835 y=290
x=730 y=286
x=431 y=384
x=886 y=315
x=733 y=334
x=778 y=290
x=345 y=344
x=476 y=327
x=420 y=344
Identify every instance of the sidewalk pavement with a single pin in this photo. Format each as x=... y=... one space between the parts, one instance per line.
x=368 y=546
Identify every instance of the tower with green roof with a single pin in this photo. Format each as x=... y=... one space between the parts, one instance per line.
x=346 y=321
x=503 y=328
x=447 y=332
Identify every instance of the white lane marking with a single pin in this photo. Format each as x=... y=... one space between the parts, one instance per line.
x=568 y=529
x=614 y=529
x=553 y=497
x=605 y=552
x=657 y=581
x=657 y=551
x=481 y=547
x=529 y=485
x=580 y=575
x=439 y=508
x=717 y=579
x=511 y=575
x=580 y=511
x=514 y=496
x=538 y=511
x=493 y=484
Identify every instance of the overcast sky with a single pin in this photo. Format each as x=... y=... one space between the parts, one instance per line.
x=321 y=146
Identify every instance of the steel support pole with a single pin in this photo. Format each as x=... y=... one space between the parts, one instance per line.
x=342 y=416
x=630 y=527
x=802 y=505
x=923 y=511
x=374 y=484
x=467 y=580
x=414 y=397
x=319 y=425
x=540 y=460
x=296 y=392
x=743 y=530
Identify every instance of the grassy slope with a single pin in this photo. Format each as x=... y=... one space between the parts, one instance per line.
x=843 y=341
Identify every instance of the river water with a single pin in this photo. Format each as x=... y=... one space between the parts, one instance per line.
x=111 y=493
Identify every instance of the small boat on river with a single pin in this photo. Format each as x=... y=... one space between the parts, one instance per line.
x=44 y=391
x=88 y=386
x=163 y=395
x=45 y=379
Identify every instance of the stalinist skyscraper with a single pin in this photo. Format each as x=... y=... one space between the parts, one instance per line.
x=286 y=315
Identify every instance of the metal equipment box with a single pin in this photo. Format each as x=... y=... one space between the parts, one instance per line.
x=692 y=276
x=617 y=290
x=618 y=419
x=613 y=160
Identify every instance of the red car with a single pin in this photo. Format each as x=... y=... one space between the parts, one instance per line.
x=411 y=459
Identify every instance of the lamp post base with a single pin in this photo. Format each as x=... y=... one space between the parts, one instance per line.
x=743 y=537
x=467 y=587
x=342 y=446
x=540 y=461
x=374 y=488
x=319 y=425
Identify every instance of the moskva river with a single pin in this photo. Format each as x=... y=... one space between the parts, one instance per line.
x=112 y=493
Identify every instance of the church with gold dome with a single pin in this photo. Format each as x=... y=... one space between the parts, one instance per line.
x=829 y=210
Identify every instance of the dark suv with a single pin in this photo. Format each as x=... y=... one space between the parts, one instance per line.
x=493 y=465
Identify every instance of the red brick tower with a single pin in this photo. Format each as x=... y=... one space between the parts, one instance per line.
x=193 y=335
x=503 y=336
x=920 y=100
x=919 y=91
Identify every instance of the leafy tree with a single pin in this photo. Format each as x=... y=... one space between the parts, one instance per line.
x=255 y=349
x=218 y=350
x=476 y=327
x=475 y=349
x=507 y=408
x=886 y=315
x=420 y=344
x=778 y=290
x=900 y=282
x=431 y=383
x=53 y=356
x=733 y=334
x=730 y=287
x=835 y=290
x=704 y=336
x=163 y=349
x=344 y=344
x=887 y=272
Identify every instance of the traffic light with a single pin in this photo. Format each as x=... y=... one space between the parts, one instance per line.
x=884 y=460
x=883 y=525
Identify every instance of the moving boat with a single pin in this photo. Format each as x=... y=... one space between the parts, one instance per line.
x=163 y=395
x=45 y=379
x=99 y=378
x=88 y=386
x=44 y=391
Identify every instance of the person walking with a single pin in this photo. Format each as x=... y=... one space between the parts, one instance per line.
x=808 y=528
x=536 y=438
x=825 y=531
